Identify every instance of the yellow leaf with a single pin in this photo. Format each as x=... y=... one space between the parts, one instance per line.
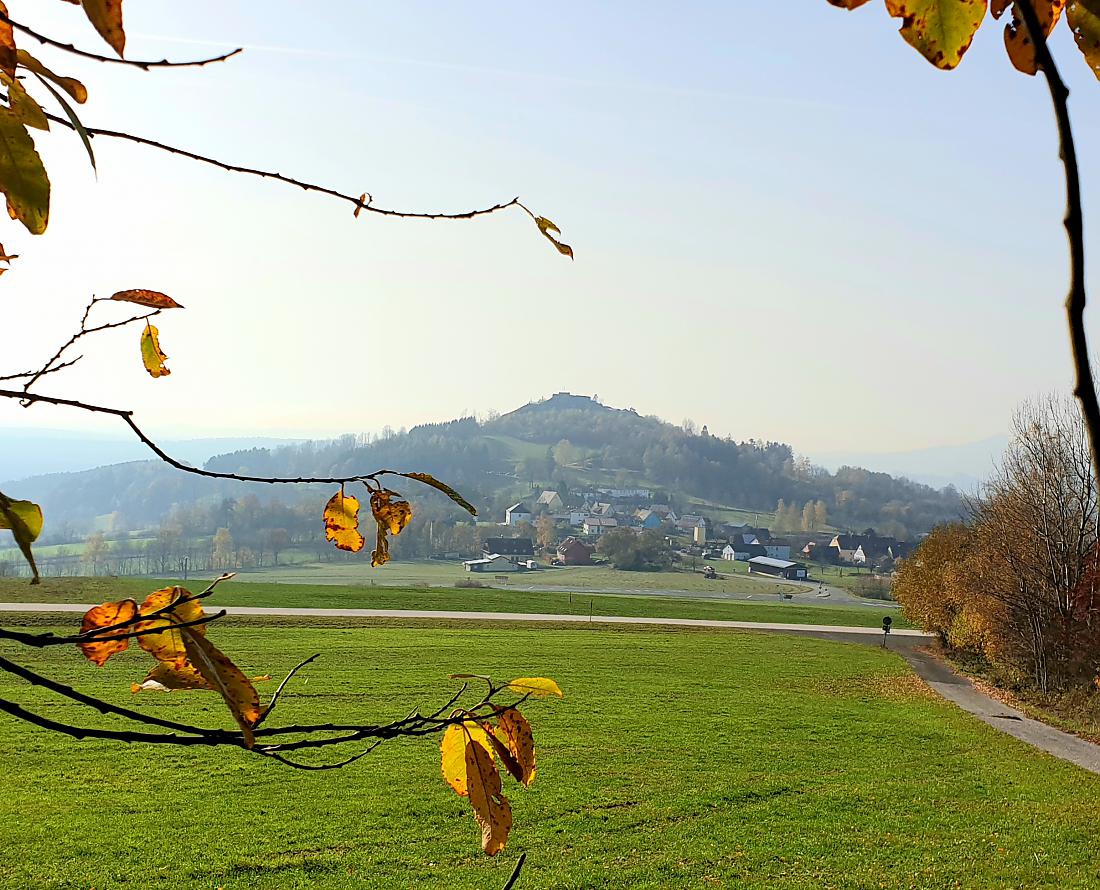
x=546 y=227
x=166 y=678
x=453 y=752
x=341 y=517
x=491 y=808
x=151 y=298
x=1017 y=39
x=237 y=690
x=151 y=355
x=940 y=30
x=23 y=178
x=391 y=516
x=106 y=615
x=1083 y=17
x=23 y=105
x=443 y=487
x=106 y=18
x=24 y=520
x=539 y=687
x=70 y=85
x=167 y=646
x=514 y=732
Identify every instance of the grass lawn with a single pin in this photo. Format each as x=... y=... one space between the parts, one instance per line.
x=244 y=592
x=678 y=759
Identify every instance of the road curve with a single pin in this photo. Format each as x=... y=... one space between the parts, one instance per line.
x=907 y=643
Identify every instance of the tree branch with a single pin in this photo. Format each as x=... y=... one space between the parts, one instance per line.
x=362 y=204
x=144 y=65
x=1084 y=387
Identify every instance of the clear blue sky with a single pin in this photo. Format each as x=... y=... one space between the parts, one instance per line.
x=787 y=224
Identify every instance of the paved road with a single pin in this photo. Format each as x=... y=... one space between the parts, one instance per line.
x=907 y=643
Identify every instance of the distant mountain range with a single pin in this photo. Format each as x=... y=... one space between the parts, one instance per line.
x=33 y=451
x=964 y=466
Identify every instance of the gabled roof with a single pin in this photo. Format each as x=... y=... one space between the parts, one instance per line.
x=518 y=508
x=547 y=497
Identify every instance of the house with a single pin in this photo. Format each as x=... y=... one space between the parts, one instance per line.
x=516 y=514
x=777 y=549
x=664 y=511
x=647 y=518
x=550 y=500
x=572 y=552
x=516 y=547
x=777 y=568
x=742 y=552
x=627 y=493
x=494 y=563
x=867 y=549
x=603 y=510
x=595 y=526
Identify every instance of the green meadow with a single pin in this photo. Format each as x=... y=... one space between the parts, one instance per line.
x=677 y=759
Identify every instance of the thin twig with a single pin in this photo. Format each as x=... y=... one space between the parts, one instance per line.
x=360 y=204
x=515 y=872
x=1084 y=388
x=282 y=686
x=42 y=372
x=144 y=65
x=322 y=766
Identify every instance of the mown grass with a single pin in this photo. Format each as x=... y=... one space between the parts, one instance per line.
x=700 y=759
x=241 y=592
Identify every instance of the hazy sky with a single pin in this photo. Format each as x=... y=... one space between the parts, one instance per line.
x=787 y=225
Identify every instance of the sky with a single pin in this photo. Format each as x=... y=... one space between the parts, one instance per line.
x=787 y=225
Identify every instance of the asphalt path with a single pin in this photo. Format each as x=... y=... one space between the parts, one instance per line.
x=912 y=645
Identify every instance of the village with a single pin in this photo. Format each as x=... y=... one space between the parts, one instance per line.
x=570 y=535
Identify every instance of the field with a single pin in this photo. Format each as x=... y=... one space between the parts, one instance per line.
x=244 y=592
x=677 y=759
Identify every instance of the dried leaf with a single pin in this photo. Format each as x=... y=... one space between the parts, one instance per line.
x=443 y=487
x=70 y=85
x=940 y=30
x=228 y=679
x=359 y=206
x=106 y=18
x=546 y=227
x=453 y=752
x=1017 y=39
x=500 y=748
x=106 y=615
x=515 y=732
x=24 y=520
x=539 y=687
x=151 y=298
x=151 y=355
x=7 y=45
x=165 y=678
x=167 y=646
x=491 y=808
x=341 y=517
x=1083 y=17
x=392 y=516
x=23 y=178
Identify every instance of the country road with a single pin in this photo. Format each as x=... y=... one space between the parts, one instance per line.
x=912 y=645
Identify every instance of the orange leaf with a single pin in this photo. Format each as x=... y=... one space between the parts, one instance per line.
x=391 y=516
x=166 y=678
x=7 y=45
x=341 y=517
x=106 y=615
x=70 y=85
x=167 y=646
x=491 y=808
x=1018 y=43
x=228 y=679
x=151 y=355
x=515 y=732
x=151 y=298
x=106 y=18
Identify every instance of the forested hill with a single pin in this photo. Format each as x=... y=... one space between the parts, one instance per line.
x=566 y=442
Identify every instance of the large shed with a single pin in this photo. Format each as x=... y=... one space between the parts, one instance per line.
x=777 y=568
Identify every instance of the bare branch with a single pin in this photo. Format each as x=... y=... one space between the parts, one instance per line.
x=99 y=634
x=515 y=872
x=1084 y=388
x=282 y=686
x=144 y=65
x=323 y=766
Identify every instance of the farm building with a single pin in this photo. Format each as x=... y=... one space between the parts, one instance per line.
x=509 y=547
x=551 y=500
x=778 y=568
x=494 y=563
x=572 y=552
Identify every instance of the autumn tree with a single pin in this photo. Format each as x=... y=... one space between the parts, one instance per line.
x=546 y=531
x=482 y=732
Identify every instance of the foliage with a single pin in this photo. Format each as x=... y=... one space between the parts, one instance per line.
x=634 y=550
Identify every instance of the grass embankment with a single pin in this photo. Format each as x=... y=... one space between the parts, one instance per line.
x=676 y=760
x=244 y=593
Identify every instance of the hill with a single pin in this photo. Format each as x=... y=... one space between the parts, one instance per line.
x=568 y=442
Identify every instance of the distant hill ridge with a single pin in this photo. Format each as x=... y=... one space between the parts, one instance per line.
x=568 y=442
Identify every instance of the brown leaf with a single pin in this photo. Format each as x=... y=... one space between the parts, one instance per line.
x=106 y=615
x=228 y=679
x=7 y=45
x=491 y=808
x=359 y=206
x=151 y=298
x=500 y=748
x=392 y=516
x=106 y=18
x=546 y=227
x=151 y=355
x=1018 y=43
x=515 y=732
x=70 y=85
x=166 y=678
x=341 y=517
